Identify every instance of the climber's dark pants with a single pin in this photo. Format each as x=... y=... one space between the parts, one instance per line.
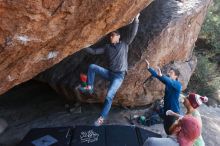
x=168 y=122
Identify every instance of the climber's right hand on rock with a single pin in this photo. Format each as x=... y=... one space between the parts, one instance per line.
x=137 y=17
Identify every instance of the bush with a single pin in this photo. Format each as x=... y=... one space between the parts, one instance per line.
x=211 y=27
x=205 y=79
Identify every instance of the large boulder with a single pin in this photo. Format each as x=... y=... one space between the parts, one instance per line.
x=35 y=35
x=166 y=36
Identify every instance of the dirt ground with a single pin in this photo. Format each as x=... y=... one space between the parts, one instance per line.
x=36 y=105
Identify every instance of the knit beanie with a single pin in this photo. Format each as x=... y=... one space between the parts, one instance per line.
x=196 y=100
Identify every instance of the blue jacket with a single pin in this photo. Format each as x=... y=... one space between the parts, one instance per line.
x=172 y=91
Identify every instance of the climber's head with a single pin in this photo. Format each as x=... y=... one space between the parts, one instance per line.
x=173 y=73
x=114 y=37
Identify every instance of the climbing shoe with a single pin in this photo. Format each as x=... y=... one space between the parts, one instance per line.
x=86 y=90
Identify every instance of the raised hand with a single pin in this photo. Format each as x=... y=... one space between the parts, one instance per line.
x=148 y=64
x=159 y=71
x=137 y=17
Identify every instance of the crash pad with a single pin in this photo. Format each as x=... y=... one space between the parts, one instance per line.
x=57 y=136
x=85 y=135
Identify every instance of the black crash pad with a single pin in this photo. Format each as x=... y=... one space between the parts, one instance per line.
x=89 y=135
x=121 y=136
x=58 y=136
x=109 y=135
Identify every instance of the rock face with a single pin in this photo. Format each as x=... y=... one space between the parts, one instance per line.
x=166 y=36
x=35 y=35
x=3 y=125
